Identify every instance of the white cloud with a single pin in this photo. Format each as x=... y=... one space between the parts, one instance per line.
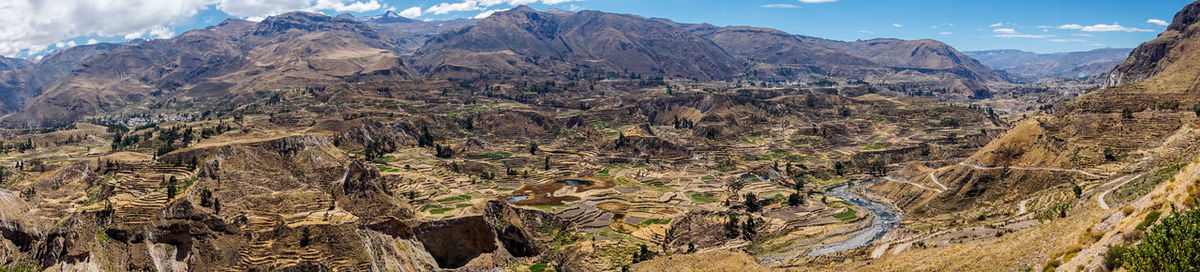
x=1067 y=40
x=897 y=25
x=30 y=26
x=1158 y=22
x=340 y=6
x=475 y=5
x=257 y=9
x=1083 y=35
x=996 y=25
x=444 y=8
x=1103 y=28
x=412 y=12
x=1005 y=30
x=1023 y=36
x=817 y=1
x=779 y=6
x=945 y=33
x=486 y=13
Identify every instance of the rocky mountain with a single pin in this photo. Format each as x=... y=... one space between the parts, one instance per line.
x=920 y=55
x=780 y=55
x=1070 y=65
x=217 y=65
x=221 y=66
x=20 y=84
x=409 y=35
x=526 y=41
x=1158 y=55
x=13 y=63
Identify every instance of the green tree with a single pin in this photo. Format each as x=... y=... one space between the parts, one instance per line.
x=533 y=148
x=1172 y=245
x=795 y=200
x=171 y=188
x=216 y=206
x=752 y=203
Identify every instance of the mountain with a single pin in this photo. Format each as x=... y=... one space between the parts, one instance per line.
x=7 y=63
x=1159 y=74
x=223 y=65
x=409 y=35
x=526 y=41
x=1071 y=65
x=772 y=52
x=1158 y=55
x=18 y=85
x=921 y=55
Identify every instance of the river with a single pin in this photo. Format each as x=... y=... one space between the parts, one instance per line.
x=885 y=218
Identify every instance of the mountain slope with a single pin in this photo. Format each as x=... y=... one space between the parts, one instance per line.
x=924 y=55
x=1073 y=64
x=18 y=85
x=1157 y=55
x=771 y=51
x=523 y=40
x=219 y=64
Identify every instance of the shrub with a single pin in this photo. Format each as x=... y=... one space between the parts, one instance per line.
x=1150 y=219
x=1172 y=245
x=1112 y=257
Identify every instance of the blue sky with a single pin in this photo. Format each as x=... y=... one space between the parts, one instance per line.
x=31 y=28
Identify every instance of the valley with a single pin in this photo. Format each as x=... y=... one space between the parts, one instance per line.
x=552 y=140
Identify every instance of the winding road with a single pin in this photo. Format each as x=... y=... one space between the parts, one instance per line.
x=1122 y=180
x=885 y=218
x=1053 y=169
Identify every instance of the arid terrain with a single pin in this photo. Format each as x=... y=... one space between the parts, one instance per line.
x=585 y=141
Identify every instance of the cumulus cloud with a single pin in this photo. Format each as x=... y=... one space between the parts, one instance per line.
x=897 y=25
x=1158 y=22
x=817 y=1
x=412 y=12
x=779 y=6
x=1067 y=40
x=945 y=33
x=476 y=5
x=996 y=25
x=29 y=27
x=1103 y=28
x=486 y=13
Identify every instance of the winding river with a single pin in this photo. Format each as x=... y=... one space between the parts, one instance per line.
x=885 y=218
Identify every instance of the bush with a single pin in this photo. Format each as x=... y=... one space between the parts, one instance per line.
x=1112 y=257
x=1172 y=245
x=1150 y=219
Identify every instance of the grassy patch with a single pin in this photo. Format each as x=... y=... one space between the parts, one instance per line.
x=540 y=267
x=455 y=199
x=440 y=210
x=847 y=216
x=701 y=199
x=656 y=221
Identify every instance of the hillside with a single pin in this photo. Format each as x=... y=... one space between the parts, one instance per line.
x=1068 y=65
x=216 y=65
x=524 y=41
